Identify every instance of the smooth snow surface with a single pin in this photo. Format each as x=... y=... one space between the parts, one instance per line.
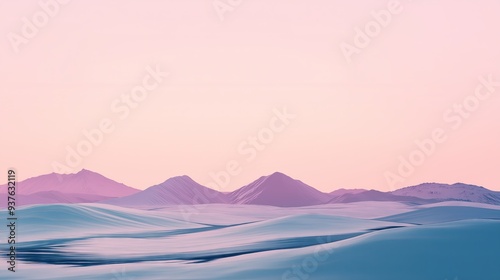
x=363 y=240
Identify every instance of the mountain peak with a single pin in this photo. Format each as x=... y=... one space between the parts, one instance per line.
x=87 y=172
x=178 y=190
x=182 y=178
x=279 y=176
x=278 y=189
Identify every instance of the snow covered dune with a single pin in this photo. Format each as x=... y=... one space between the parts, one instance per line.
x=96 y=241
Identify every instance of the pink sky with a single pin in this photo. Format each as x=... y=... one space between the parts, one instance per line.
x=353 y=120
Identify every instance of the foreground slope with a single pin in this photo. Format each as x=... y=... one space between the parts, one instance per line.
x=51 y=197
x=442 y=214
x=82 y=241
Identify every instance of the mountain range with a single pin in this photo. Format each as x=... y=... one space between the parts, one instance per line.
x=276 y=189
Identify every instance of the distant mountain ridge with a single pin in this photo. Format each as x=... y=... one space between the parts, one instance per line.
x=457 y=191
x=373 y=195
x=276 y=189
x=341 y=192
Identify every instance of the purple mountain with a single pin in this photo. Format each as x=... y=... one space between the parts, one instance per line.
x=373 y=195
x=458 y=191
x=340 y=192
x=84 y=182
x=181 y=190
x=278 y=190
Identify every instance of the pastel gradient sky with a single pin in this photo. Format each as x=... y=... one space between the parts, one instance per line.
x=353 y=120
